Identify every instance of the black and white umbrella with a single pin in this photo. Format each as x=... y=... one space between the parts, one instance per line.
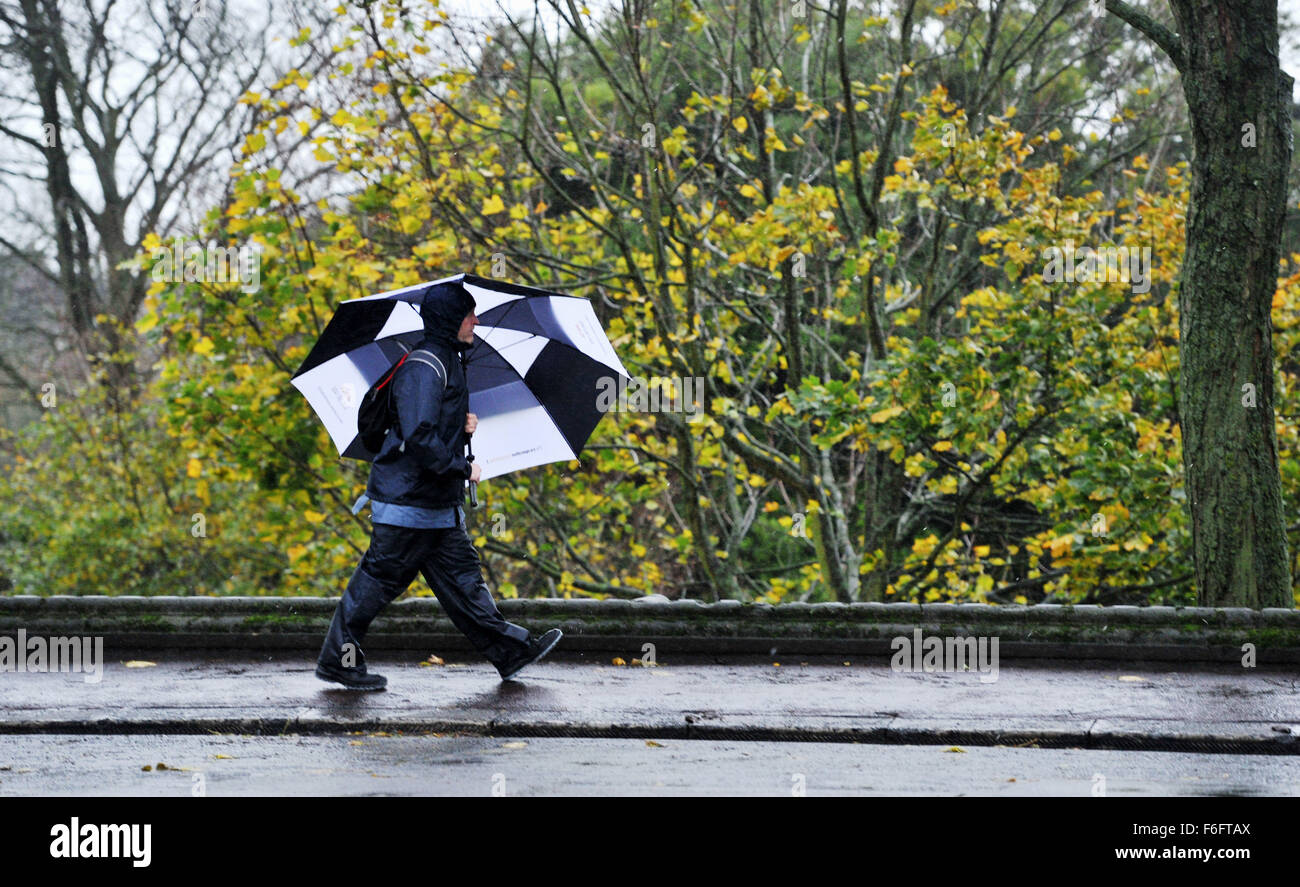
x=534 y=370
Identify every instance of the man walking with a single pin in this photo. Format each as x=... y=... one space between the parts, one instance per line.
x=417 y=488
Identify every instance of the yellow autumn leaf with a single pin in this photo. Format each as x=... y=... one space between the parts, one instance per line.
x=942 y=446
x=314 y=517
x=194 y=468
x=885 y=415
x=493 y=205
x=204 y=346
x=741 y=124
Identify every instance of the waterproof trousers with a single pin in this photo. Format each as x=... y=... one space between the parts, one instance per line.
x=450 y=564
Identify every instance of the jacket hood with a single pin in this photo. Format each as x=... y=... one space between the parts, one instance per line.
x=444 y=309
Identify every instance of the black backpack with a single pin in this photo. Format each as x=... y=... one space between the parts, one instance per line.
x=376 y=415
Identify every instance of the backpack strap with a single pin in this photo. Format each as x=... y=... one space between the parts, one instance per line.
x=415 y=356
x=436 y=363
x=392 y=373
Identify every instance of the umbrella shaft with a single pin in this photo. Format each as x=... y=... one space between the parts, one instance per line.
x=469 y=457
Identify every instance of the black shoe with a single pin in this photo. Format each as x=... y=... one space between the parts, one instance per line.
x=537 y=648
x=352 y=678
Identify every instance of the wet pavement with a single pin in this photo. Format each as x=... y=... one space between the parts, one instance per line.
x=263 y=724
x=222 y=765
x=1154 y=706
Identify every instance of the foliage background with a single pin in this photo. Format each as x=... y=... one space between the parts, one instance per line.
x=847 y=247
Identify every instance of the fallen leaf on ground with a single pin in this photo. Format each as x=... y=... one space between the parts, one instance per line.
x=618 y=660
x=140 y=663
x=515 y=745
x=653 y=744
x=433 y=660
x=956 y=749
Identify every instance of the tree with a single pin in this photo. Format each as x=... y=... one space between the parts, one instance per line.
x=1239 y=102
x=120 y=141
x=694 y=174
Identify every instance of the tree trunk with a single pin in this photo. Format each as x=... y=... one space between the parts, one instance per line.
x=1239 y=104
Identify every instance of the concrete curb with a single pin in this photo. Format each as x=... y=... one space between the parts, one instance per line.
x=1191 y=634
x=900 y=731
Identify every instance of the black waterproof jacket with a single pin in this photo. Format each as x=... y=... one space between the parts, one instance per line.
x=422 y=461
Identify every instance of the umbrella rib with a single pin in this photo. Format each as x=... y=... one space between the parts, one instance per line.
x=516 y=303
x=549 y=415
x=573 y=348
x=550 y=340
x=497 y=325
x=497 y=349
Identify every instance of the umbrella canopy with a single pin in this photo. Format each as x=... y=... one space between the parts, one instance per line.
x=533 y=371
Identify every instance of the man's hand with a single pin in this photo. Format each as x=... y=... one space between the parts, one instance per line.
x=471 y=423
x=474 y=472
